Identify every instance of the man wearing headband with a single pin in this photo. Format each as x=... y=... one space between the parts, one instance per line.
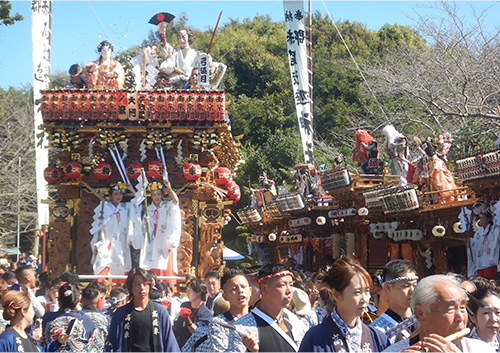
x=117 y=298
x=399 y=281
x=76 y=80
x=269 y=327
x=439 y=304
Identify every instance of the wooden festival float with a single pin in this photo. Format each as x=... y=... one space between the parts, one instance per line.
x=90 y=132
x=362 y=215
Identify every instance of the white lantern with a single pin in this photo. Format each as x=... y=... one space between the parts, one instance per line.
x=438 y=231
x=321 y=221
x=363 y=212
x=271 y=237
x=457 y=228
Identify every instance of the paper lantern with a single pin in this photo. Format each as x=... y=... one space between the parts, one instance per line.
x=272 y=237
x=321 y=221
x=233 y=191
x=192 y=171
x=363 y=212
x=155 y=169
x=222 y=176
x=438 y=231
x=457 y=227
x=52 y=175
x=102 y=171
x=134 y=170
x=72 y=170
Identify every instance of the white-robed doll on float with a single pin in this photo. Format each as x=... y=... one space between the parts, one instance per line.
x=110 y=232
x=165 y=224
x=396 y=147
x=178 y=63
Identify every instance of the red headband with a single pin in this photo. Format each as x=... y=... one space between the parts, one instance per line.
x=273 y=275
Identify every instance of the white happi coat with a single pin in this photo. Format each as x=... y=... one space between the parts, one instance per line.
x=165 y=223
x=484 y=249
x=178 y=59
x=109 y=243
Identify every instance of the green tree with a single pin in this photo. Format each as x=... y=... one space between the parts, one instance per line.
x=5 y=17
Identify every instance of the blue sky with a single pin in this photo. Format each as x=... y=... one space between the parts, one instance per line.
x=77 y=26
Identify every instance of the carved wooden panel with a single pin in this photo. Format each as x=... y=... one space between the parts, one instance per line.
x=185 y=250
x=59 y=248
x=83 y=252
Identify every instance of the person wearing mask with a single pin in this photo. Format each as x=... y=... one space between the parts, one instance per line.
x=439 y=303
x=141 y=325
x=27 y=280
x=269 y=327
x=400 y=278
x=212 y=281
x=484 y=313
x=193 y=313
x=70 y=321
x=343 y=330
x=51 y=296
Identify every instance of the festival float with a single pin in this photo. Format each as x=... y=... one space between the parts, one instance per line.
x=168 y=129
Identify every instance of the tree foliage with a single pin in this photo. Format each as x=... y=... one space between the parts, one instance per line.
x=17 y=146
x=5 y=17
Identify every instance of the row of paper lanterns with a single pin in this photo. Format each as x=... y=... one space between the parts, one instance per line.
x=295 y=238
x=103 y=171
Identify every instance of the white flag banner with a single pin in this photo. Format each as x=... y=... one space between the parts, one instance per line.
x=41 y=11
x=297 y=59
x=204 y=70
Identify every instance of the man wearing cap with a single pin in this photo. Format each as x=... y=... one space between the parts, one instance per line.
x=440 y=307
x=269 y=327
x=399 y=281
x=76 y=80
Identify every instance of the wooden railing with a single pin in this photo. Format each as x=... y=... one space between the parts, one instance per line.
x=459 y=197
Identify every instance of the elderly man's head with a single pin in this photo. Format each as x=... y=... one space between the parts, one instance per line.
x=439 y=304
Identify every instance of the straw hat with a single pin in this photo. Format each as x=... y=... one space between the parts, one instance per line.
x=301 y=301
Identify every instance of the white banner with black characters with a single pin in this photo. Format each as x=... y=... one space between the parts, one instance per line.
x=297 y=57
x=41 y=11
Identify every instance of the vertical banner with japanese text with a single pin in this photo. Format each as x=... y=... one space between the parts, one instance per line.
x=297 y=59
x=41 y=11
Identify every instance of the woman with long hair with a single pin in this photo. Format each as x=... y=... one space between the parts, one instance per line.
x=17 y=309
x=484 y=310
x=344 y=330
x=70 y=321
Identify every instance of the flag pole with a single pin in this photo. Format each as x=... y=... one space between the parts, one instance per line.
x=213 y=34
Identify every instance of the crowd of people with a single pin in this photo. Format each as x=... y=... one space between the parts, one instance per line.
x=274 y=309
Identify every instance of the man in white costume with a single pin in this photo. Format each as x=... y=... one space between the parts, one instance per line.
x=179 y=62
x=440 y=307
x=165 y=224
x=110 y=229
